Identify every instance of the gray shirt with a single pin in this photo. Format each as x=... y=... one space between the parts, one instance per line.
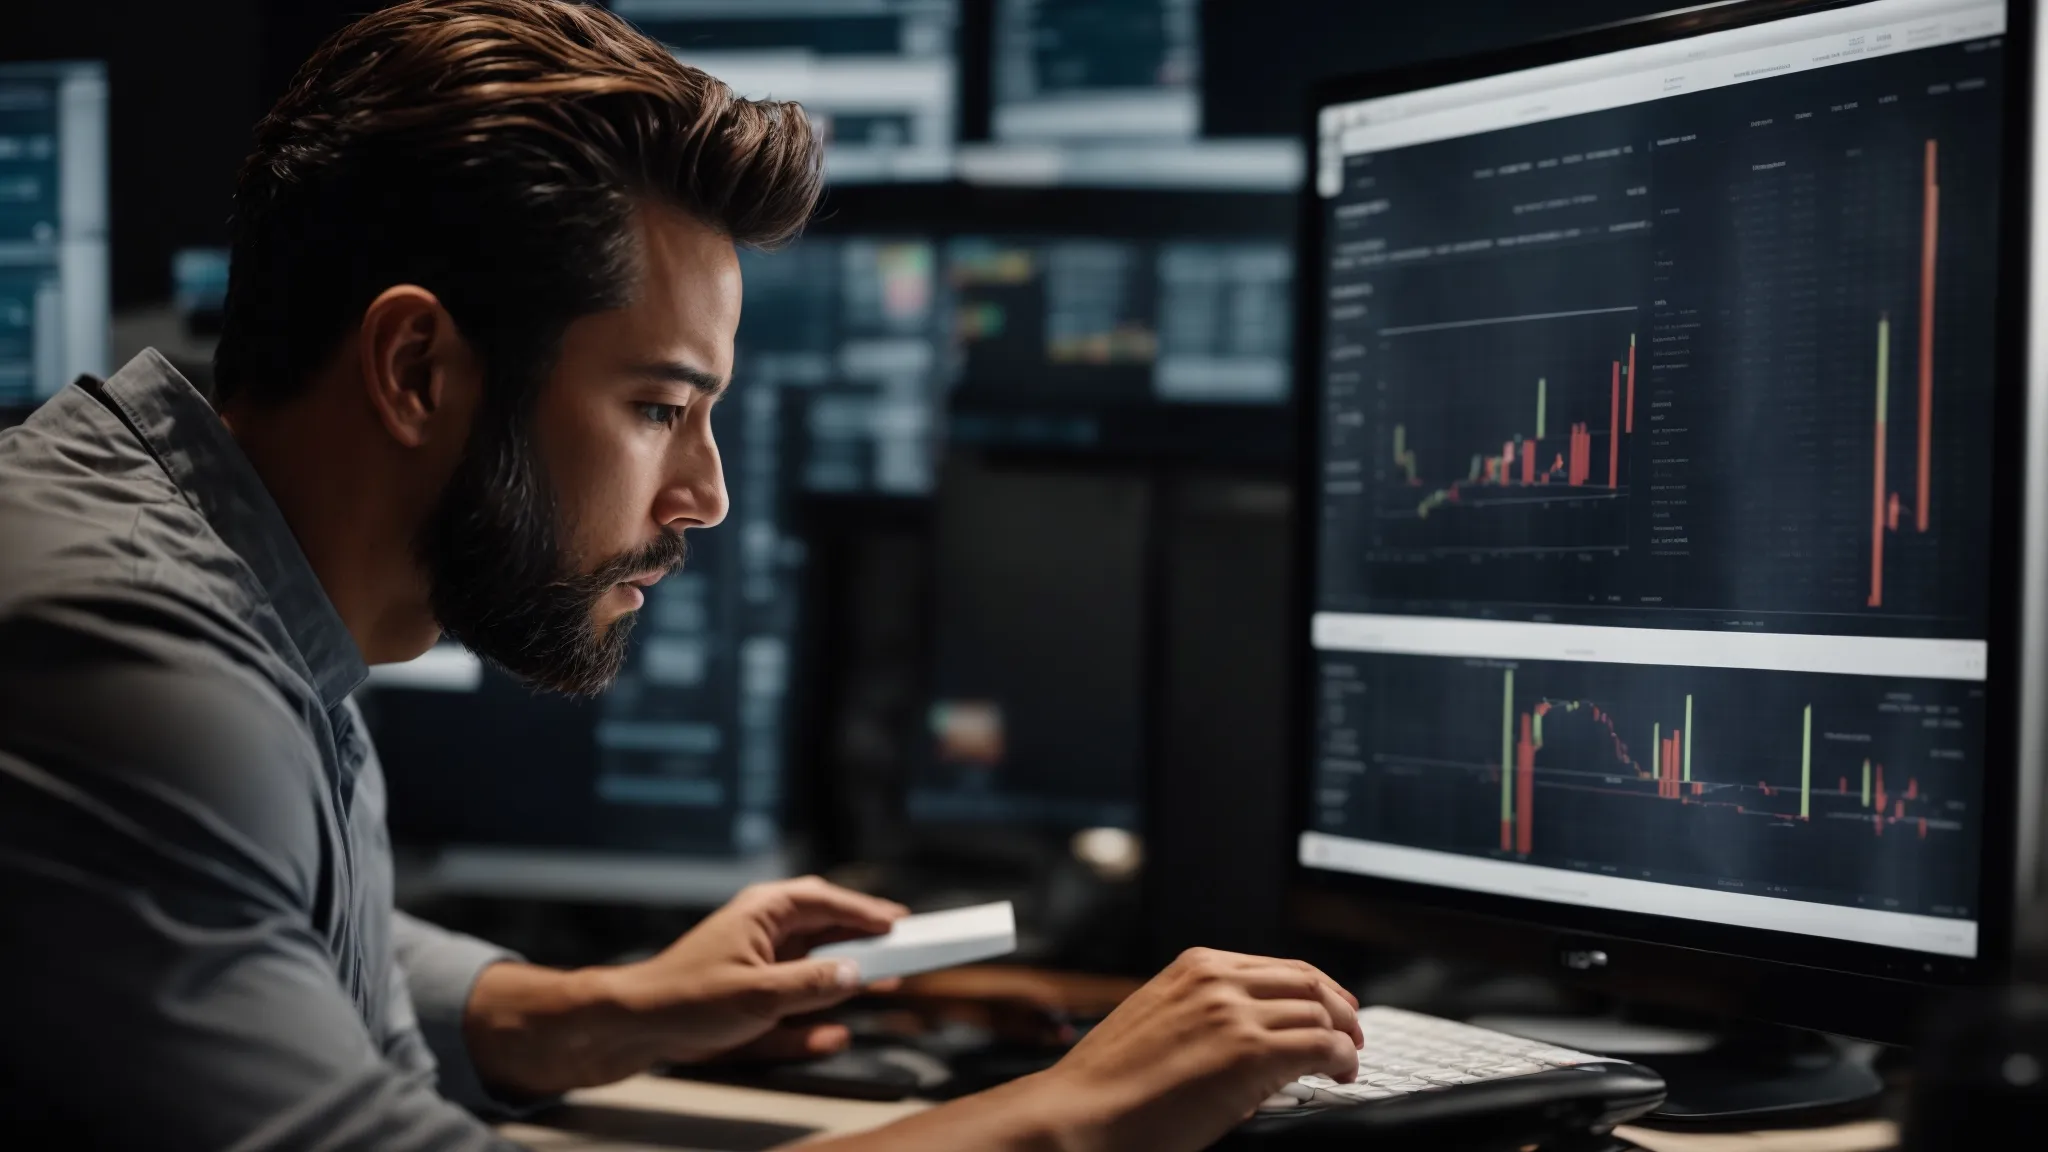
x=197 y=942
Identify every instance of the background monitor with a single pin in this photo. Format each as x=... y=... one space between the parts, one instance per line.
x=878 y=77
x=1661 y=501
x=1121 y=345
x=1108 y=93
x=1087 y=69
x=849 y=332
x=54 y=293
x=1038 y=679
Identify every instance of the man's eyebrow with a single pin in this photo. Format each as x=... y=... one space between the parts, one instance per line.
x=677 y=372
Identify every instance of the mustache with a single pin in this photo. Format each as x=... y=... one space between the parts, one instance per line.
x=665 y=554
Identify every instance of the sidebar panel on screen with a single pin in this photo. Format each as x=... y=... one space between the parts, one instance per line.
x=1655 y=477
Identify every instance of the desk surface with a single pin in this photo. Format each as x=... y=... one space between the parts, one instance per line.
x=656 y=1114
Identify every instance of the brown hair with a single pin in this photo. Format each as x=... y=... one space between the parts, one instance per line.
x=493 y=152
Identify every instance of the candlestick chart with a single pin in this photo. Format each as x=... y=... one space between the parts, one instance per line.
x=1844 y=789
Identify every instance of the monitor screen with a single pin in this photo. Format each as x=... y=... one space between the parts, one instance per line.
x=1082 y=342
x=1036 y=719
x=1652 y=540
x=54 y=279
x=849 y=331
x=1093 y=68
x=877 y=76
x=1108 y=94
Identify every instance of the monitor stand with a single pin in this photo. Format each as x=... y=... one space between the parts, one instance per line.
x=1742 y=1075
x=1759 y=1076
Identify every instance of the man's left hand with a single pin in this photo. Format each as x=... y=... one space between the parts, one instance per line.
x=728 y=984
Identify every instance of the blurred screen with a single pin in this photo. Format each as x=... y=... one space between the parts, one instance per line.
x=878 y=77
x=54 y=279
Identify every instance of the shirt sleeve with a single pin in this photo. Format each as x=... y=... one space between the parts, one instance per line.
x=163 y=977
x=440 y=969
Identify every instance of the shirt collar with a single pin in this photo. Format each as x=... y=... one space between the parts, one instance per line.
x=196 y=450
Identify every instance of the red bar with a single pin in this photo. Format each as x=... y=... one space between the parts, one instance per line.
x=1899 y=810
x=1525 y=787
x=1879 y=797
x=1878 y=821
x=1528 y=461
x=1912 y=788
x=1614 y=430
x=1845 y=786
x=1891 y=513
x=1507 y=461
x=1929 y=222
x=1698 y=789
x=1507 y=835
x=1923 y=828
x=1631 y=421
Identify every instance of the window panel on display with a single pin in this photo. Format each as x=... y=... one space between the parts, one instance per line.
x=54 y=278
x=1085 y=344
x=847 y=331
x=1107 y=93
x=878 y=77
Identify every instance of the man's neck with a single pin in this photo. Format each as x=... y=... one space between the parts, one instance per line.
x=314 y=463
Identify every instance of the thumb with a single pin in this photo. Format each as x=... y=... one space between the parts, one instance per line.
x=808 y=985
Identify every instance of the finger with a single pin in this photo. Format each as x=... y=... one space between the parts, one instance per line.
x=808 y=985
x=1280 y=1015
x=1302 y=1051
x=1286 y=980
x=811 y=905
x=1342 y=992
x=796 y=1042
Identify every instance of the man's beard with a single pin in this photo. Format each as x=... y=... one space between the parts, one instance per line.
x=502 y=584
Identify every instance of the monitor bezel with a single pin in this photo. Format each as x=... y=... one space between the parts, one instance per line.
x=1854 y=989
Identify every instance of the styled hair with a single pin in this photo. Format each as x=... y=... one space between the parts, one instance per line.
x=493 y=152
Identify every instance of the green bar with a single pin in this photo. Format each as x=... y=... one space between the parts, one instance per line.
x=1507 y=746
x=1806 y=765
x=1657 y=757
x=1688 y=739
x=1884 y=364
x=1538 y=734
x=1475 y=469
x=1866 y=783
x=1541 y=388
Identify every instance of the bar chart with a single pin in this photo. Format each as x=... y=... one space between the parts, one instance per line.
x=1844 y=789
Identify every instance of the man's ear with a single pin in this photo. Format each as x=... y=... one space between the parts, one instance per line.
x=418 y=373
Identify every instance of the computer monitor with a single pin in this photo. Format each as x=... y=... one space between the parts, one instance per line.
x=1066 y=69
x=1108 y=93
x=849 y=332
x=54 y=280
x=1039 y=662
x=1090 y=345
x=1672 y=507
x=878 y=77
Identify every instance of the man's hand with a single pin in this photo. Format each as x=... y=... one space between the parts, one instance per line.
x=1183 y=1060
x=729 y=983
x=1200 y=1047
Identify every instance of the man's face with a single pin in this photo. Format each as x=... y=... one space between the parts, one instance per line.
x=552 y=529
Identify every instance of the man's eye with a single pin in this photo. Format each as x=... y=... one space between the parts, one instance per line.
x=662 y=414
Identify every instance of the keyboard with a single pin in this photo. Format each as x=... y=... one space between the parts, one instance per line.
x=1407 y=1053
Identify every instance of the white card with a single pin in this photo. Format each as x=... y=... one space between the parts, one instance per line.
x=931 y=941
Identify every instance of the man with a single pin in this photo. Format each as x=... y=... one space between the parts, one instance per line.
x=483 y=300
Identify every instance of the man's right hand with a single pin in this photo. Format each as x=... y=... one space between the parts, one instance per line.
x=1198 y=1049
